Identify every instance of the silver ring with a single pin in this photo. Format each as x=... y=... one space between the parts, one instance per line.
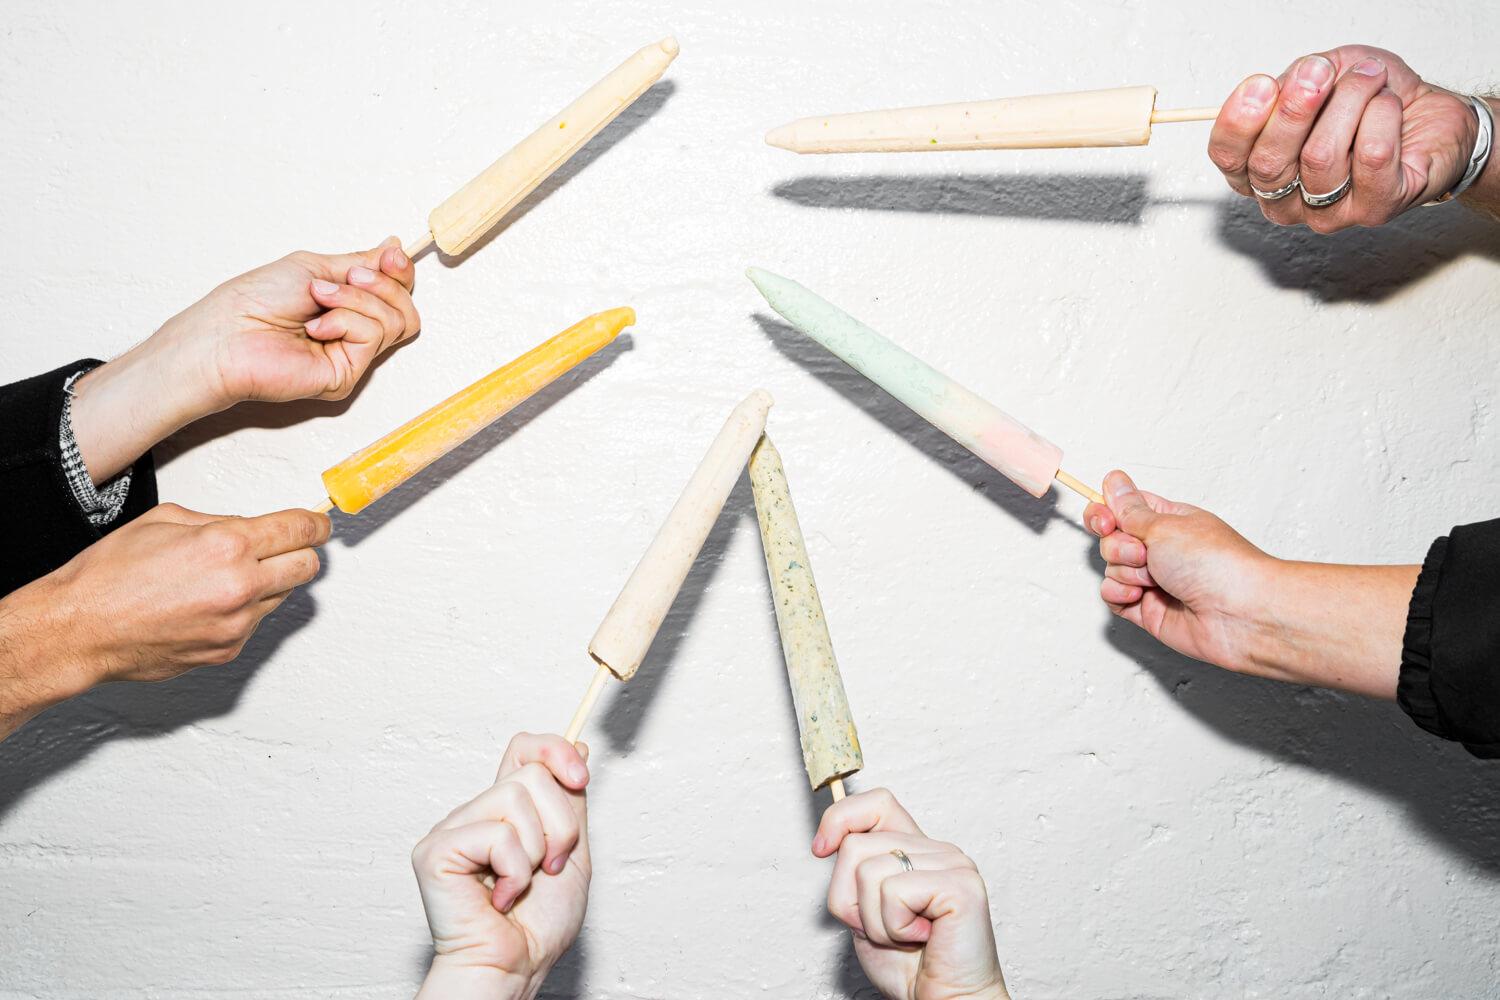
x=1280 y=192
x=1332 y=197
x=905 y=861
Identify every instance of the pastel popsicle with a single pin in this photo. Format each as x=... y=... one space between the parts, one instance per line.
x=1117 y=117
x=375 y=470
x=1023 y=456
x=628 y=629
x=830 y=745
x=470 y=212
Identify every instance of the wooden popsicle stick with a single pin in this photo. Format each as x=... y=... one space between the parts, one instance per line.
x=836 y=786
x=321 y=507
x=1205 y=114
x=417 y=245
x=1079 y=486
x=586 y=707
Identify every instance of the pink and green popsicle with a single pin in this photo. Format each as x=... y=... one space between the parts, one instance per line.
x=1019 y=453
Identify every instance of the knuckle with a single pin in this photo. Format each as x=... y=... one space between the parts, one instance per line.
x=1296 y=110
x=1265 y=165
x=1375 y=154
x=1227 y=158
x=225 y=543
x=1319 y=155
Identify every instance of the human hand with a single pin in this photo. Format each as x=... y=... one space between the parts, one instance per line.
x=530 y=831
x=175 y=589
x=1352 y=112
x=1178 y=572
x=923 y=934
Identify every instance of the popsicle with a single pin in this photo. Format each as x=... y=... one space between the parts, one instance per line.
x=830 y=745
x=1122 y=116
x=375 y=470
x=1023 y=456
x=620 y=643
x=473 y=209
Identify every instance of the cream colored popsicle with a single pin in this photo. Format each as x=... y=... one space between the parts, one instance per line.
x=471 y=211
x=631 y=624
x=378 y=468
x=1023 y=456
x=1119 y=117
x=830 y=745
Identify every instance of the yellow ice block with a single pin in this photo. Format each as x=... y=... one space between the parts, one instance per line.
x=375 y=470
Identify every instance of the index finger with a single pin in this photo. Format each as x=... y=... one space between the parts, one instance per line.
x=1239 y=123
x=284 y=531
x=551 y=751
x=867 y=812
x=1099 y=519
x=395 y=262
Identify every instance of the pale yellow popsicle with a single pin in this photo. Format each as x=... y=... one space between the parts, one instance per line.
x=375 y=470
x=830 y=745
x=632 y=622
x=473 y=209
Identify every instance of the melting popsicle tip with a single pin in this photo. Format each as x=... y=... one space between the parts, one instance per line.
x=669 y=46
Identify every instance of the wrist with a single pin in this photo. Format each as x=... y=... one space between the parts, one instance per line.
x=41 y=661
x=451 y=979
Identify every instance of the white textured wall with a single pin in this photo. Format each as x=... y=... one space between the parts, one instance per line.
x=1150 y=828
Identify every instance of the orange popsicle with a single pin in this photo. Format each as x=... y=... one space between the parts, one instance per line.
x=375 y=470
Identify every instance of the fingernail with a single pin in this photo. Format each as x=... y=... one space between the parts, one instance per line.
x=1137 y=553
x=1117 y=489
x=1369 y=66
x=1094 y=525
x=398 y=257
x=325 y=287
x=311 y=326
x=1259 y=92
x=361 y=275
x=818 y=844
x=577 y=774
x=1314 y=72
x=556 y=864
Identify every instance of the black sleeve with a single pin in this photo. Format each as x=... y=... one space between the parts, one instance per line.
x=46 y=526
x=1450 y=657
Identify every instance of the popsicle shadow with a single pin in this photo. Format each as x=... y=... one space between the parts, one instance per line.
x=1034 y=513
x=54 y=742
x=354 y=530
x=631 y=705
x=632 y=118
x=1445 y=791
x=1358 y=265
x=1116 y=199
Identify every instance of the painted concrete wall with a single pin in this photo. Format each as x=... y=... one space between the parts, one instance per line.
x=1149 y=828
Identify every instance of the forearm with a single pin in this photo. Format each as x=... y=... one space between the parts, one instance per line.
x=1331 y=626
x=448 y=980
x=38 y=666
x=1484 y=194
x=123 y=408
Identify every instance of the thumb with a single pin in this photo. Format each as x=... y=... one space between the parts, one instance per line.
x=1129 y=505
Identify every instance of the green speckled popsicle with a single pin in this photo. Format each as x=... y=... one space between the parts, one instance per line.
x=1023 y=456
x=830 y=746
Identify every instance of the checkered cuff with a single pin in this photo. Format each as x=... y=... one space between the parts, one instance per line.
x=100 y=506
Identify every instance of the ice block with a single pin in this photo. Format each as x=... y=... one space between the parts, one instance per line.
x=470 y=212
x=375 y=470
x=830 y=745
x=631 y=624
x=1119 y=117
x=1023 y=456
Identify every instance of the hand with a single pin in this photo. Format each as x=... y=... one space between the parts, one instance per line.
x=306 y=326
x=923 y=934
x=1178 y=572
x=1354 y=111
x=530 y=831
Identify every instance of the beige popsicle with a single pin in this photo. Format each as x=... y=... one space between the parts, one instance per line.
x=473 y=209
x=830 y=744
x=623 y=637
x=1122 y=116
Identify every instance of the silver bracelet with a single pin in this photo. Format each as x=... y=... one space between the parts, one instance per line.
x=1484 y=143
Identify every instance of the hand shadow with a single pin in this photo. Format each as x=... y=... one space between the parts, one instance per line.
x=1446 y=792
x=632 y=702
x=1118 y=199
x=352 y=530
x=899 y=420
x=632 y=118
x=1357 y=265
x=54 y=742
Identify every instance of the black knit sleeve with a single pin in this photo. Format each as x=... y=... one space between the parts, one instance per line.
x=1450 y=657
x=46 y=526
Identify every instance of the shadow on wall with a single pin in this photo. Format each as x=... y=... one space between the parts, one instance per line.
x=902 y=422
x=1119 y=199
x=1359 y=265
x=632 y=118
x=1446 y=792
x=55 y=741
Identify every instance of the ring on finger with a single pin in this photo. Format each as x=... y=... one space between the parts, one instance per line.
x=1331 y=198
x=1279 y=193
x=900 y=856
